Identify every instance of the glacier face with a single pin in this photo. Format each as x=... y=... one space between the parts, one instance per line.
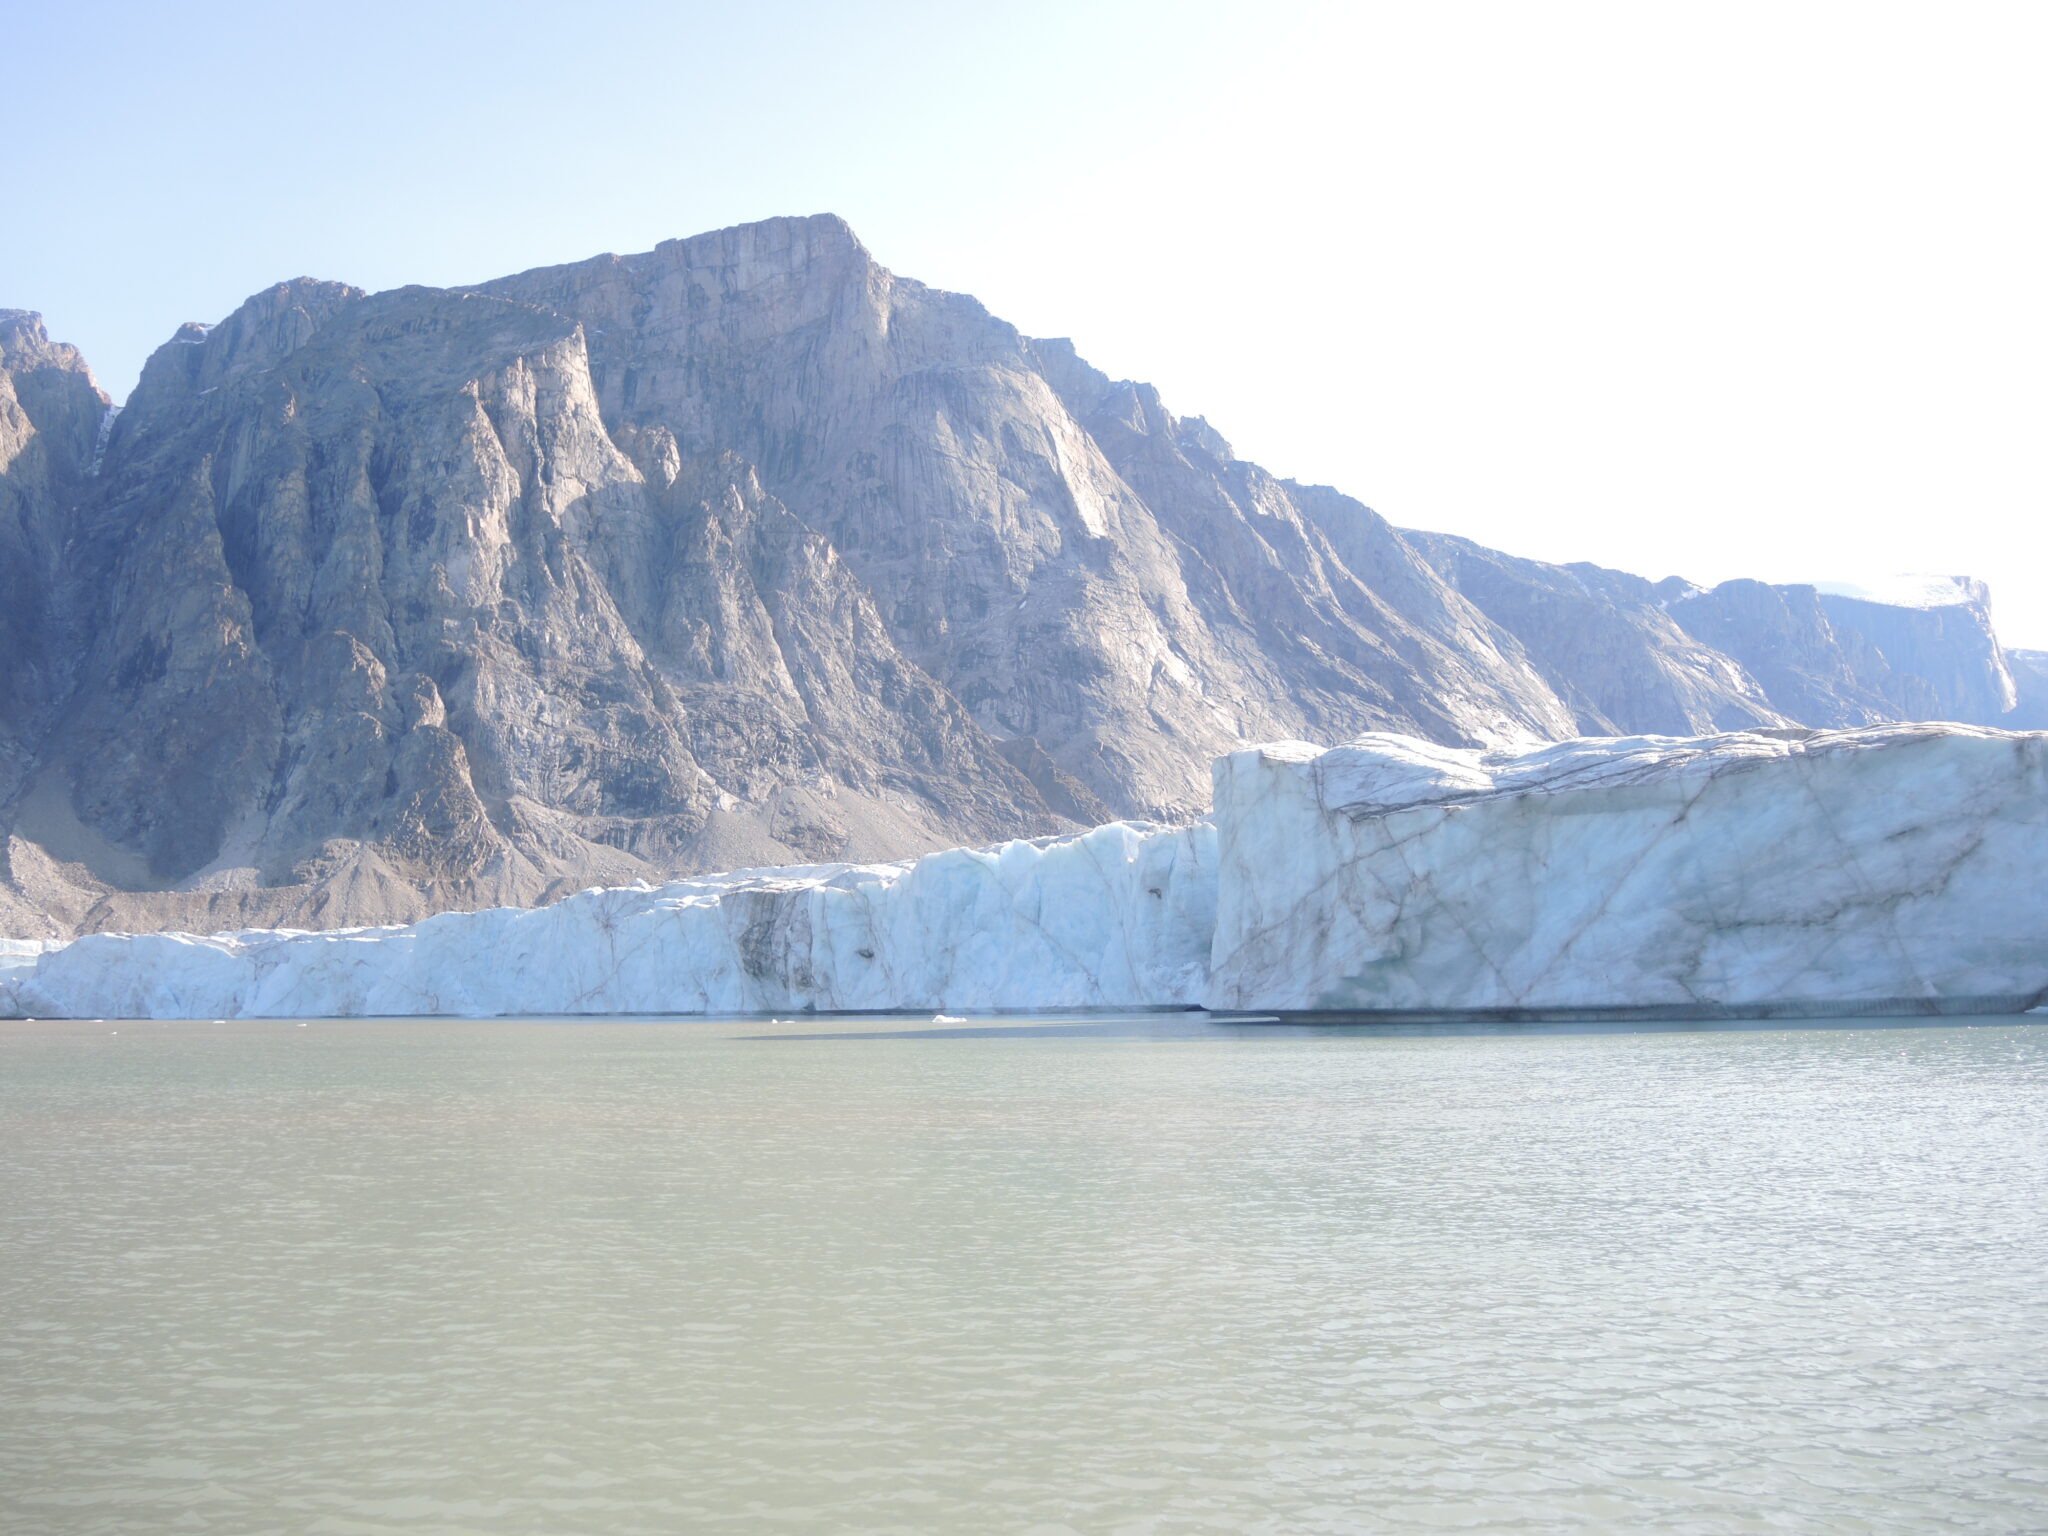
x=1117 y=916
x=1745 y=870
x=1759 y=868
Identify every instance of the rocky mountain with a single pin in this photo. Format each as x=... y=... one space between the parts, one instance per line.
x=2030 y=684
x=742 y=551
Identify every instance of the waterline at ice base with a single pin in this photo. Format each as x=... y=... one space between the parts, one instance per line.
x=1759 y=873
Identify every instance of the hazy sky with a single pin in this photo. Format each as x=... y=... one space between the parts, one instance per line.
x=1708 y=289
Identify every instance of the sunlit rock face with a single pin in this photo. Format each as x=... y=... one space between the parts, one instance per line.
x=1894 y=868
x=1772 y=868
x=1095 y=578
x=365 y=613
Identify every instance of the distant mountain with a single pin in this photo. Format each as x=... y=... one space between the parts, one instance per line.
x=744 y=551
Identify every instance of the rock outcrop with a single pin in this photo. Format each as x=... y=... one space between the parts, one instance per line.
x=2029 y=671
x=742 y=551
x=1079 y=568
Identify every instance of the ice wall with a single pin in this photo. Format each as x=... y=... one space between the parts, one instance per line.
x=1772 y=869
x=1779 y=868
x=1118 y=916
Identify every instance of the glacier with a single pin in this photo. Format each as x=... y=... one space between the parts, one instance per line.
x=1889 y=869
x=1893 y=869
x=1118 y=916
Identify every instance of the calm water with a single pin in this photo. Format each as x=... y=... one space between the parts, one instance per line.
x=1160 y=1277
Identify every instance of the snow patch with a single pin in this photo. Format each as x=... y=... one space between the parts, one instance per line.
x=100 y=438
x=1906 y=591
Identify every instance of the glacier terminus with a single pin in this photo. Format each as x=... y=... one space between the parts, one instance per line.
x=1773 y=871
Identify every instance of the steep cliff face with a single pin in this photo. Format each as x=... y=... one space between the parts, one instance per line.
x=1112 y=588
x=741 y=551
x=1940 y=647
x=1783 y=638
x=1669 y=657
x=382 y=619
x=335 y=605
x=1606 y=642
x=51 y=417
x=1332 y=620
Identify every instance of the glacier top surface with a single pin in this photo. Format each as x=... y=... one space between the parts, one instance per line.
x=1378 y=773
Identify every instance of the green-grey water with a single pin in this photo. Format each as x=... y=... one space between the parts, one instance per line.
x=1151 y=1276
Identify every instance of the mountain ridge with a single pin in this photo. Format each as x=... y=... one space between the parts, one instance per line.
x=744 y=550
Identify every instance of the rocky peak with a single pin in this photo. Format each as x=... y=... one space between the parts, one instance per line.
x=46 y=392
x=740 y=551
x=200 y=359
x=269 y=326
x=24 y=341
x=807 y=244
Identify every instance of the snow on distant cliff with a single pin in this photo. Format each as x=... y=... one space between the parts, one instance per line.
x=1908 y=591
x=1894 y=868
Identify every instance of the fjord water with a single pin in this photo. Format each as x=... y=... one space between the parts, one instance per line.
x=1144 y=1276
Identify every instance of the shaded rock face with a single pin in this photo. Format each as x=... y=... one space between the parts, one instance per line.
x=1823 y=656
x=1631 y=655
x=1607 y=643
x=742 y=551
x=51 y=415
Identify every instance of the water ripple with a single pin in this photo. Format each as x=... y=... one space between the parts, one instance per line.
x=376 y=1278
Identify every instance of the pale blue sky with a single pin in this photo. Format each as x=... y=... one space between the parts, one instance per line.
x=1708 y=290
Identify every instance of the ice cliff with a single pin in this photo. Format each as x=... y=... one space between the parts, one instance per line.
x=1118 y=915
x=1893 y=868
x=1773 y=869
